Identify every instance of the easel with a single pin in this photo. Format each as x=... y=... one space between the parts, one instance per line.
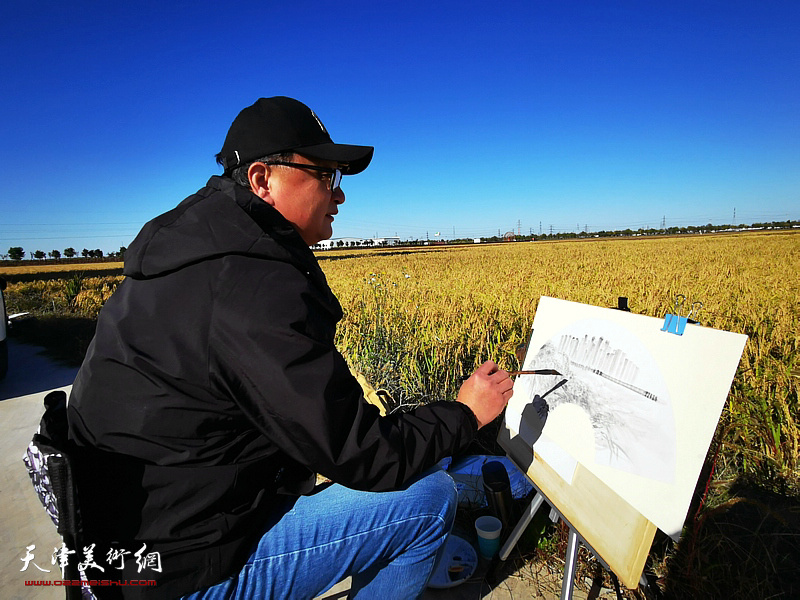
x=574 y=538
x=573 y=542
x=638 y=531
x=596 y=513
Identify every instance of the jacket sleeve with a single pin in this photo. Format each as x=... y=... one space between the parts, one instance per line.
x=270 y=353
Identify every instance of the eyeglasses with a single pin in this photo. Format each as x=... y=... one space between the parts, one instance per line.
x=334 y=176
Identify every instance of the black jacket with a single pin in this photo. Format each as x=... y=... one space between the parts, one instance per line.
x=213 y=383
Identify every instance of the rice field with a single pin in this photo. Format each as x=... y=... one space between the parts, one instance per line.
x=416 y=319
x=62 y=268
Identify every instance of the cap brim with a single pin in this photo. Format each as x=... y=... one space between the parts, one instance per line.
x=353 y=159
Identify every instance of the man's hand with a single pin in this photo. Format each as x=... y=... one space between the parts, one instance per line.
x=487 y=392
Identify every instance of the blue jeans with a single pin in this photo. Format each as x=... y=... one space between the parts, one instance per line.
x=387 y=541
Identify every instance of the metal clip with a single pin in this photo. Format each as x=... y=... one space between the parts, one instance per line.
x=699 y=305
x=672 y=322
x=676 y=323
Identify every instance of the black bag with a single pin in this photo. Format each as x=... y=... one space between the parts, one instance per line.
x=52 y=471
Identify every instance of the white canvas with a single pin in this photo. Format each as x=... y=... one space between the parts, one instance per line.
x=637 y=407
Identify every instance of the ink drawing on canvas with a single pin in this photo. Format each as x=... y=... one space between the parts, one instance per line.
x=608 y=373
x=634 y=405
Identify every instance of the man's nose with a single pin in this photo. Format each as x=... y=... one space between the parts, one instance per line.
x=338 y=195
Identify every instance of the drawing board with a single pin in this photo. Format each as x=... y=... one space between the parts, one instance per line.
x=620 y=437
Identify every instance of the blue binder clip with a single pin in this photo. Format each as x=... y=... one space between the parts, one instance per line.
x=676 y=323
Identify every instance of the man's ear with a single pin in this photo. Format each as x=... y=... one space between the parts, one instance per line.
x=258 y=174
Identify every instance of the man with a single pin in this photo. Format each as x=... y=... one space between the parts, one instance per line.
x=212 y=393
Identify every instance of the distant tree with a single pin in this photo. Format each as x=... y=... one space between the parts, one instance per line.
x=39 y=254
x=55 y=254
x=96 y=253
x=16 y=253
x=69 y=252
x=85 y=253
x=121 y=252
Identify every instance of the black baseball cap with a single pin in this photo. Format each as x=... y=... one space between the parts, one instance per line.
x=282 y=124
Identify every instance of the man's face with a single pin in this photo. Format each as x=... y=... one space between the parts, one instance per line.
x=304 y=198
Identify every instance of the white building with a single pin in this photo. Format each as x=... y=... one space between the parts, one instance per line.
x=386 y=241
x=351 y=242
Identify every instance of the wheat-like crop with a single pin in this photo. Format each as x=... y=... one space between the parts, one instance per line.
x=416 y=319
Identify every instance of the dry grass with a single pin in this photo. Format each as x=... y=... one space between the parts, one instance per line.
x=76 y=295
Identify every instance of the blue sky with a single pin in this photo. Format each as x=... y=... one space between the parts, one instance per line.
x=484 y=117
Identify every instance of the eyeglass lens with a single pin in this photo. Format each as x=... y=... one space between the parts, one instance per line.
x=336 y=179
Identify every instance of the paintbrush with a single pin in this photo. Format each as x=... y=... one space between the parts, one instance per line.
x=534 y=372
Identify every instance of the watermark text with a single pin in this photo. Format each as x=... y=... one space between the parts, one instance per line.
x=93 y=582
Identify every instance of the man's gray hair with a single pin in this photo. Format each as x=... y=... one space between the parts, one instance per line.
x=239 y=174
